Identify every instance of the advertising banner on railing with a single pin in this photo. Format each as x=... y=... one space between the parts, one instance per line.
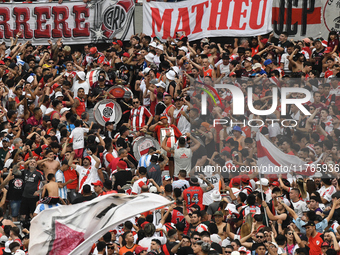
x=202 y=18
x=73 y=22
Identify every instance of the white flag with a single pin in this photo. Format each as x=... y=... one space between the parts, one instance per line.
x=73 y=229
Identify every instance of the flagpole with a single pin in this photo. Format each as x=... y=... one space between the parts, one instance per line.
x=265 y=212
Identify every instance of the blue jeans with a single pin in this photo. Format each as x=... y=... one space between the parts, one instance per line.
x=15 y=207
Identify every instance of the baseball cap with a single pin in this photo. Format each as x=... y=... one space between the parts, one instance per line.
x=109 y=123
x=88 y=158
x=236 y=180
x=237 y=128
x=93 y=50
x=325 y=244
x=119 y=42
x=139 y=249
x=268 y=62
x=101 y=78
x=231 y=74
x=242 y=249
x=275 y=183
x=3 y=239
x=263 y=182
x=97 y=183
x=6 y=140
x=153 y=189
x=218 y=213
x=225 y=56
x=328 y=50
x=183 y=48
x=125 y=54
x=245 y=178
x=256 y=65
x=309 y=223
x=122 y=164
x=193 y=181
x=59 y=94
x=64 y=110
x=81 y=75
x=106 y=63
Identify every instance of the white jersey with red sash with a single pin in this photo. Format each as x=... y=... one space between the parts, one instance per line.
x=166 y=113
x=138 y=117
x=171 y=142
x=180 y=121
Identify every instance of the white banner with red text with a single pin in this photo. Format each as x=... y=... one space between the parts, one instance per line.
x=202 y=18
x=73 y=22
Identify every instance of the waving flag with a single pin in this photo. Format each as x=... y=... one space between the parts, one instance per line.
x=271 y=160
x=73 y=229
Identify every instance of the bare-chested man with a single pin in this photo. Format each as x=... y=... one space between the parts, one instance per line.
x=49 y=165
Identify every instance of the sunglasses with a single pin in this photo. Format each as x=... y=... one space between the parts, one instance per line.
x=259 y=236
x=50 y=62
x=289 y=233
x=197 y=238
x=135 y=102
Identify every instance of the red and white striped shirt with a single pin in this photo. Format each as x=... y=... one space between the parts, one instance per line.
x=138 y=117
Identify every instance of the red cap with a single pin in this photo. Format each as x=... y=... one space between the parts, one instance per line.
x=236 y=180
x=106 y=63
x=97 y=183
x=139 y=249
x=2 y=62
x=93 y=50
x=125 y=54
x=88 y=157
x=119 y=42
x=122 y=164
x=44 y=147
x=325 y=244
x=328 y=50
x=232 y=73
x=245 y=178
x=276 y=183
x=163 y=117
x=227 y=148
x=55 y=85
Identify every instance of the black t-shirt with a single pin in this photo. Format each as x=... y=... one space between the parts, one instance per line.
x=318 y=56
x=3 y=154
x=186 y=250
x=154 y=172
x=121 y=178
x=123 y=142
x=32 y=182
x=124 y=71
x=83 y=199
x=160 y=107
x=16 y=188
x=172 y=84
x=169 y=246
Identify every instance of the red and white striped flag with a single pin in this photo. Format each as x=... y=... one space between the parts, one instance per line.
x=271 y=160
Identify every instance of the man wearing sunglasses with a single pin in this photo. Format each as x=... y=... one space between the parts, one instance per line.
x=140 y=116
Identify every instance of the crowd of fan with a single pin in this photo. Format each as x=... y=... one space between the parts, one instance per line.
x=51 y=154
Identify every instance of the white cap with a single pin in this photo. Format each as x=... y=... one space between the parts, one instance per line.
x=146 y=70
x=317 y=175
x=235 y=253
x=59 y=94
x=183 y=48
x=263 y=182
x=64 y=110
x=215 y=238
x=161 y=84
x=81 y=75
x=153 y=189
x=30 y=79
x=176 y=69
x=160 y=47
x=153 y=44
x=171 y=75
x=256 y=65
x=216 y=196
x=4 y=131
x=3 y=239
x=149 y=57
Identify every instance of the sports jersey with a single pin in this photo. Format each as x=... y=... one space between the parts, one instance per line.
x=180 y=184
x=214 y=179
x=59 y=177
x=194 y=196
x=85 y=176
x=178 y=217
x=144 y=161
x=138 y=117
x=137 y=186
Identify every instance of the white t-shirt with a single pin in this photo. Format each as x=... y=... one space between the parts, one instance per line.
x=146 y=100
x=327 y=193
x=299 y=207
x=180 y=184
x=76 y=85
x=182 y=158
x=274 y=129
x=78 y=137
x=82 y=171
x=137 y=185
x=214 y=179
x=285 y=61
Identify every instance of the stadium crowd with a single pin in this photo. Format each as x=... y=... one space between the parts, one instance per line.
x=53 y=152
